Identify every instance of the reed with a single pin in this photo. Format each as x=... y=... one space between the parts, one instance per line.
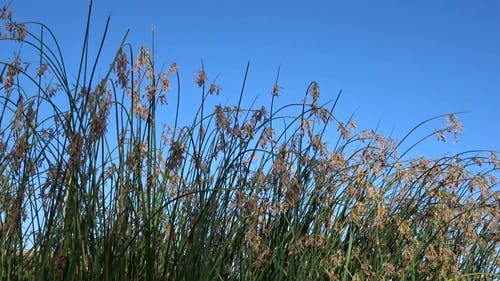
x=93 y=187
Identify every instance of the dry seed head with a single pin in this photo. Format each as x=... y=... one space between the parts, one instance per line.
x=314 y=91
x=351 y=125
x=20 y=32
x=318 y=144
x=143 y=59
x=344 y=132
x=306 y=126
x=389 y=269
x=494 y=160
x=75 y=149
x=99 y=120
x=201 y=78
x=176 y=155
x=120 y=68
x=440 y=135
x=12 y=71
x=337 y=160
x=11 y=27
x=248 y=129
x=324 y=114
x=150 y=74
x=3 y=147
x=173 y=69
x=42 y=69
x=222 y=118
x=236 y=132
x=365 y=135
x=17 y=154
x=493 y=180
x=221 y=143
x=164 y=83
x=292 y=193
x=150 y=92
x=140 y=110
x=298 y=247
x=19 y=119
x=276 y=89
x=214 y=89
x=162 y=98
x=454 y=125
x=50 y=91
x=267 y=136
x=259 y=114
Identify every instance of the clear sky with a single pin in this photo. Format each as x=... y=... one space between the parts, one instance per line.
x=397 y=62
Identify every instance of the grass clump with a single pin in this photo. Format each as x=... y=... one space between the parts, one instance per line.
x=93 y=188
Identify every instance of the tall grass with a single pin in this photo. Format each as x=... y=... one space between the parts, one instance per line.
x=94 y=188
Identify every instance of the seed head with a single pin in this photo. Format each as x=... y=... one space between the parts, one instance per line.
x=201 y=78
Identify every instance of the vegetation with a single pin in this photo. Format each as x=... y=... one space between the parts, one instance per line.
x=93 y=187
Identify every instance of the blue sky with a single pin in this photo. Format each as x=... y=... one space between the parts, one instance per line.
x=397 y=62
